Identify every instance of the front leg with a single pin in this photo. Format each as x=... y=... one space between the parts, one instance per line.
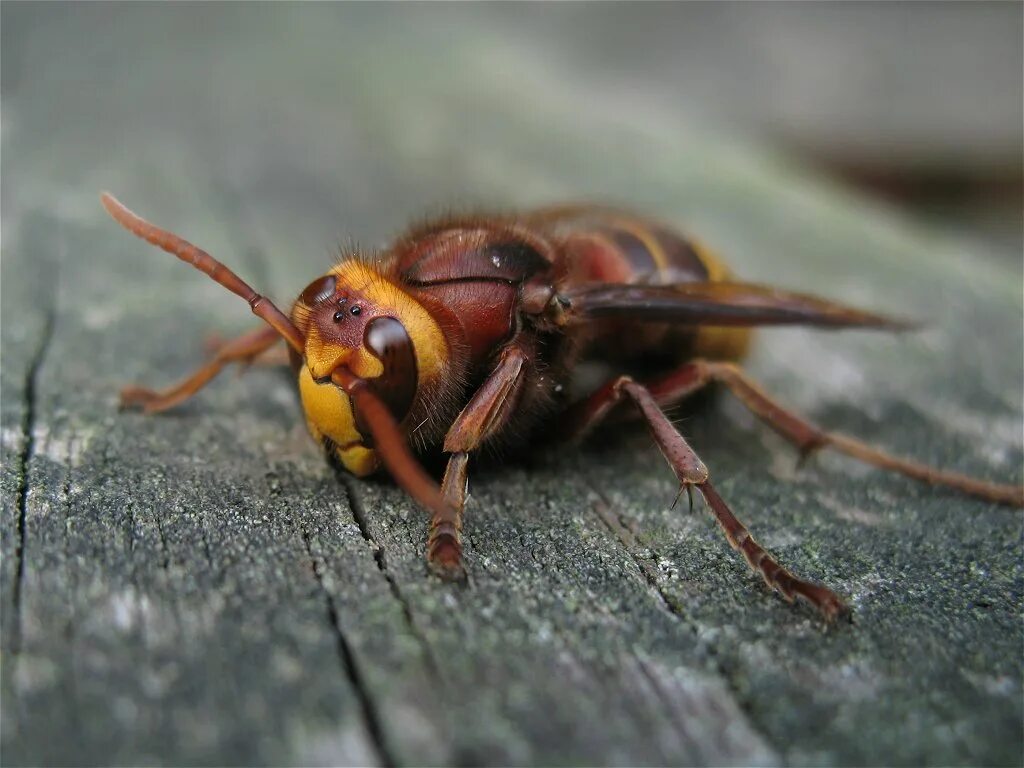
x=444 y=547
x=484 y=416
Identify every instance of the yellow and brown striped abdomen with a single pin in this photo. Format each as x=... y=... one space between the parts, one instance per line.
x=608 y=246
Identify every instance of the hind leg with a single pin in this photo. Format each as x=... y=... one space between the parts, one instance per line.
x=806 y=436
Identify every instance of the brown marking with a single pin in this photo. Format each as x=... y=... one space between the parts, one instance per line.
x=642 y=259
x=336 y=327
x=683 y=261
x=475 y=254
x=653 y=252
x=593 y=258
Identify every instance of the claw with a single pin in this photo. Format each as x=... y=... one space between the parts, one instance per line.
x=682 y=487
x=688 y=487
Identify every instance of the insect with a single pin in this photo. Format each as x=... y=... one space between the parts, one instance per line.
x=467 y=331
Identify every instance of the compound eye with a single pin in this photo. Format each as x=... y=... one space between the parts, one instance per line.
x=387 y=339
x=319 y=290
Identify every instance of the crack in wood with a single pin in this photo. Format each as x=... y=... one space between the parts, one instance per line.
x=371 y=717
x=165 y=562
x=72 y=618
x=28 y=425
x=69 y=627
x=218 y=575
x=359 y=515
x=131 y=532
x=605 y=513
x=632 y=542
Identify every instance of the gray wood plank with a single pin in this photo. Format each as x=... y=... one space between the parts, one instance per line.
x=202 y=588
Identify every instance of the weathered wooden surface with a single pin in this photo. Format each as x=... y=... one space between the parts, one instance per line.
x=201 y=588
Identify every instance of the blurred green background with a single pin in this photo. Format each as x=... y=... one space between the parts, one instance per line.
x=920 y=102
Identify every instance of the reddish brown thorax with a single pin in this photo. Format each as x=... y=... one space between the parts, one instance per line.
x=476 y=274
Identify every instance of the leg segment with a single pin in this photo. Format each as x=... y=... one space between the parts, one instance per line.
x=803 y=434
x=691 y=472
x=240 y=350
x=444 y=547
x=485 y=416
x=774 y=575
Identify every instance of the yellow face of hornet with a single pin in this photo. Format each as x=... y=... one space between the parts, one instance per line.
x=333 y=313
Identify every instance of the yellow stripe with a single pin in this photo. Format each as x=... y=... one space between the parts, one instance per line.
x=717 y=269
x=719 y=343
x=650 y=243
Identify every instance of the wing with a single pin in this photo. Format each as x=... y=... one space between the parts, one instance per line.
x=722 y=304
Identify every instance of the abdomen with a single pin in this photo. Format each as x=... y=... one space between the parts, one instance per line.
x=603 y=245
